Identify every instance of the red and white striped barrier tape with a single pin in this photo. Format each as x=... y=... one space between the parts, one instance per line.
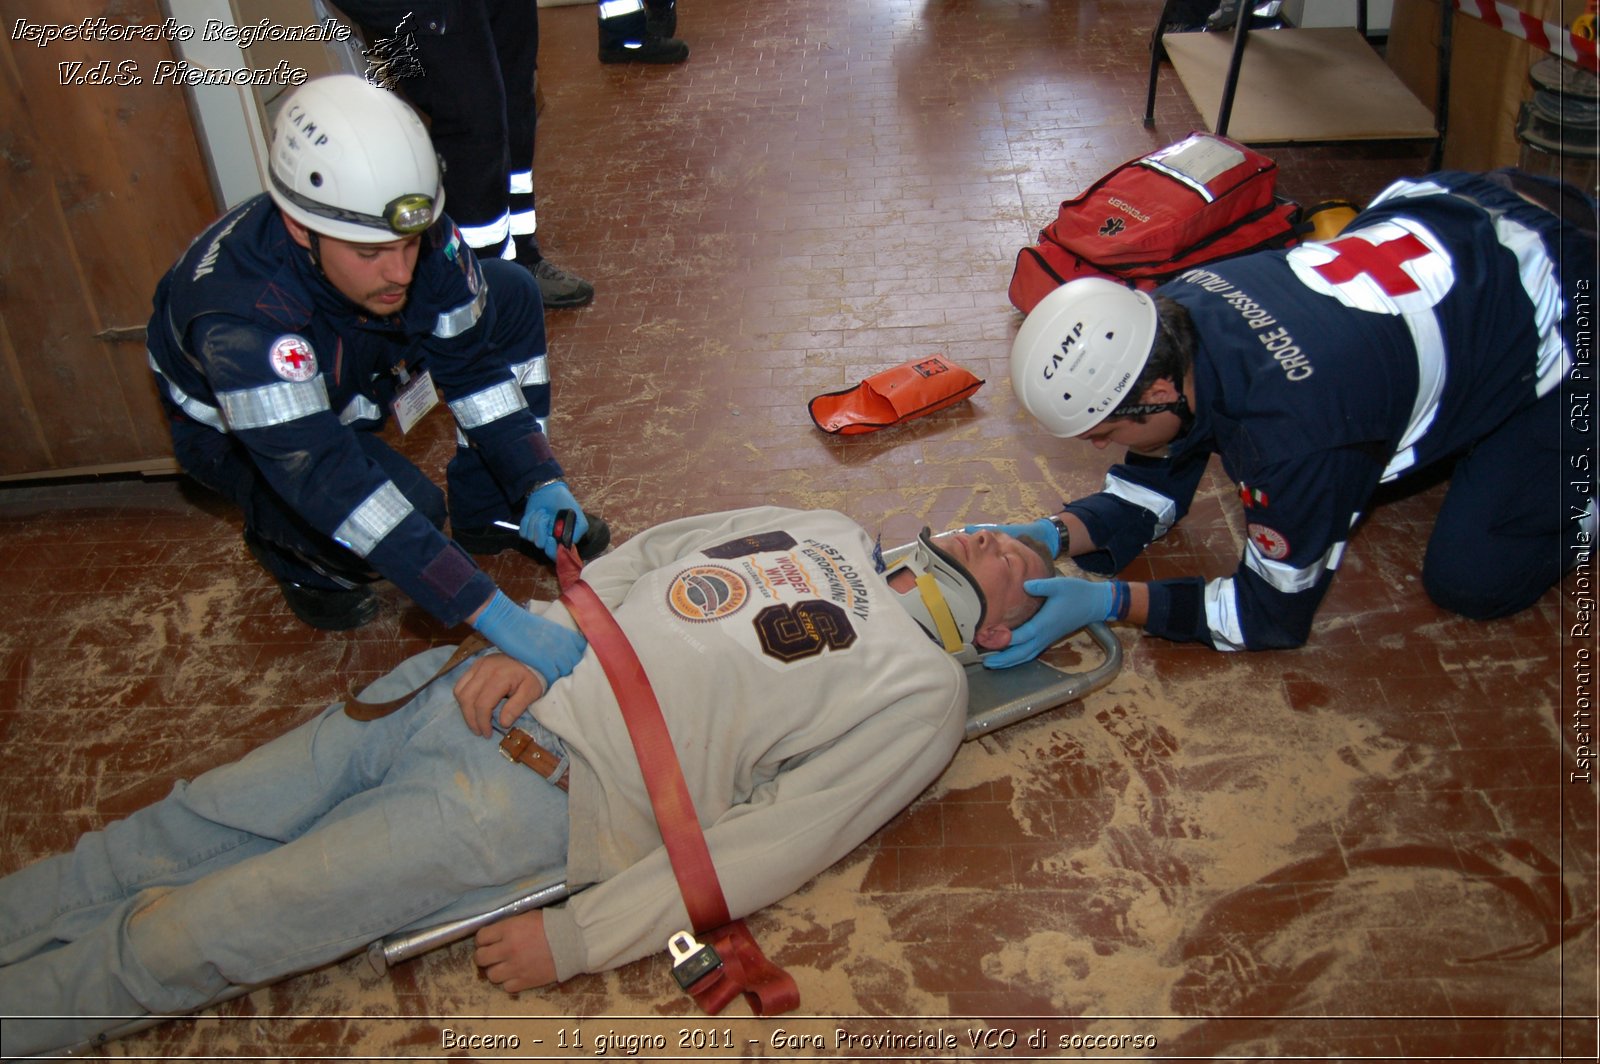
x=1542 y=35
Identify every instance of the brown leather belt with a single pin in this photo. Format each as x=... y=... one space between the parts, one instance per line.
x=518 y=745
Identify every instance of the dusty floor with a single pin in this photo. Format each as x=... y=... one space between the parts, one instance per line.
x=1368 y=848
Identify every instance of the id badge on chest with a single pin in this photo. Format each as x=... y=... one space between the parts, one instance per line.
x=415 y=398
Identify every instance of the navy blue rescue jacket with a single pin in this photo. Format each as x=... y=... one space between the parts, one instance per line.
x=250 y=343
x=1325 y=370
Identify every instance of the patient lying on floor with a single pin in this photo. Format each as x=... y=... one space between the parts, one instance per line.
x=810 y=697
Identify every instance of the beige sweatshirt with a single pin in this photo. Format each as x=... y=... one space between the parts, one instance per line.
x=806 y=707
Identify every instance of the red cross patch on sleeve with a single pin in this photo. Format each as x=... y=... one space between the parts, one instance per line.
x=293 y=359
x=1269 y=541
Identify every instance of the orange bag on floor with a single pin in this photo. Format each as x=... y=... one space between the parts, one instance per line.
x=896 y=395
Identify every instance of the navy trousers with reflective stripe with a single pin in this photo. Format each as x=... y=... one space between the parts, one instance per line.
x=476 y=87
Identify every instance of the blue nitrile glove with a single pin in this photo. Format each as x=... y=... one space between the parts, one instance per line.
x=1069 y=604
x=543 y=645
x=1043 y=530
x=540 y=515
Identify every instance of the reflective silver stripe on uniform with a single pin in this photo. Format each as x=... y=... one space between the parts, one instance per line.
x=274 y=404
x=488 y=405
x=360 y=408
x=1289 y=579
x=1535 y=269
x=1428 y=342
x=1222 y=614
x=618 y=8
x=204 y=413
x=533 y=372
x=1406 y=189
x=455 y=322
x=375 y=518
x=523 y=222
x=1163 y=508
x=1543 y=286
x=482 y=236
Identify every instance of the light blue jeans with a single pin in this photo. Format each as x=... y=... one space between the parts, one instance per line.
x=298 y=854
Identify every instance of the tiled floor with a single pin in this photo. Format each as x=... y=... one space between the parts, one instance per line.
x=1368 y=848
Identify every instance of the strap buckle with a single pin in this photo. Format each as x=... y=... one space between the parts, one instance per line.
x=563 y=527
x=515 y=742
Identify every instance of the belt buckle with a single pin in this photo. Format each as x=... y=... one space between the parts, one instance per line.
x=515 y=742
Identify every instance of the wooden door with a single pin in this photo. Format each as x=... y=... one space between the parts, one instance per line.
x=102 y=185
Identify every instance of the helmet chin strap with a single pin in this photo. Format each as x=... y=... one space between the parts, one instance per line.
x=1179 y=406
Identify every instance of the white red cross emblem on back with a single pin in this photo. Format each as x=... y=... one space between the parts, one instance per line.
x=1381 y=262
x=1395 y=266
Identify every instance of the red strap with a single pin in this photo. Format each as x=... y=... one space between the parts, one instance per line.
x=744 y=968
x=770 y=990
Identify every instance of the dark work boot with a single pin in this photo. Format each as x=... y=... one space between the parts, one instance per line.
x=560 y=288
x=327 y=609
x=659 y=50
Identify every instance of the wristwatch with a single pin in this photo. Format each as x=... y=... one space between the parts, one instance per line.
x=1060 y=521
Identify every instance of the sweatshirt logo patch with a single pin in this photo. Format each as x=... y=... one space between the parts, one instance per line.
x=293 y=359
x=707 y=593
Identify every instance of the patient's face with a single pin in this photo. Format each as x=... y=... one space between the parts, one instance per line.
x=1000 y=564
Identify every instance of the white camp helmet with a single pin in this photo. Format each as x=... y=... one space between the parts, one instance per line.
x=1080 y=351
x=353 y=161
x=948 y=602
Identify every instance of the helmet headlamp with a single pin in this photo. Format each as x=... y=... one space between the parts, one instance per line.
x=411 y=213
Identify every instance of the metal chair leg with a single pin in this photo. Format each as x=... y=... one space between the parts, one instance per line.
x=1155 y=60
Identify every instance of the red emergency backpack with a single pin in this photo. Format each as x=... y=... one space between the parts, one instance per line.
x=1196 y=201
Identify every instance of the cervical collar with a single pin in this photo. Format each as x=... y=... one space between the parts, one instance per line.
x=947 y=603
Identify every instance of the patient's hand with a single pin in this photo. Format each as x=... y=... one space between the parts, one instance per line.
x=491 y=679
x=514 y=953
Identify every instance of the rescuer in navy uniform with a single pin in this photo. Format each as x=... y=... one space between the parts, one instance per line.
x=295 y=325
x=1449 y=326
